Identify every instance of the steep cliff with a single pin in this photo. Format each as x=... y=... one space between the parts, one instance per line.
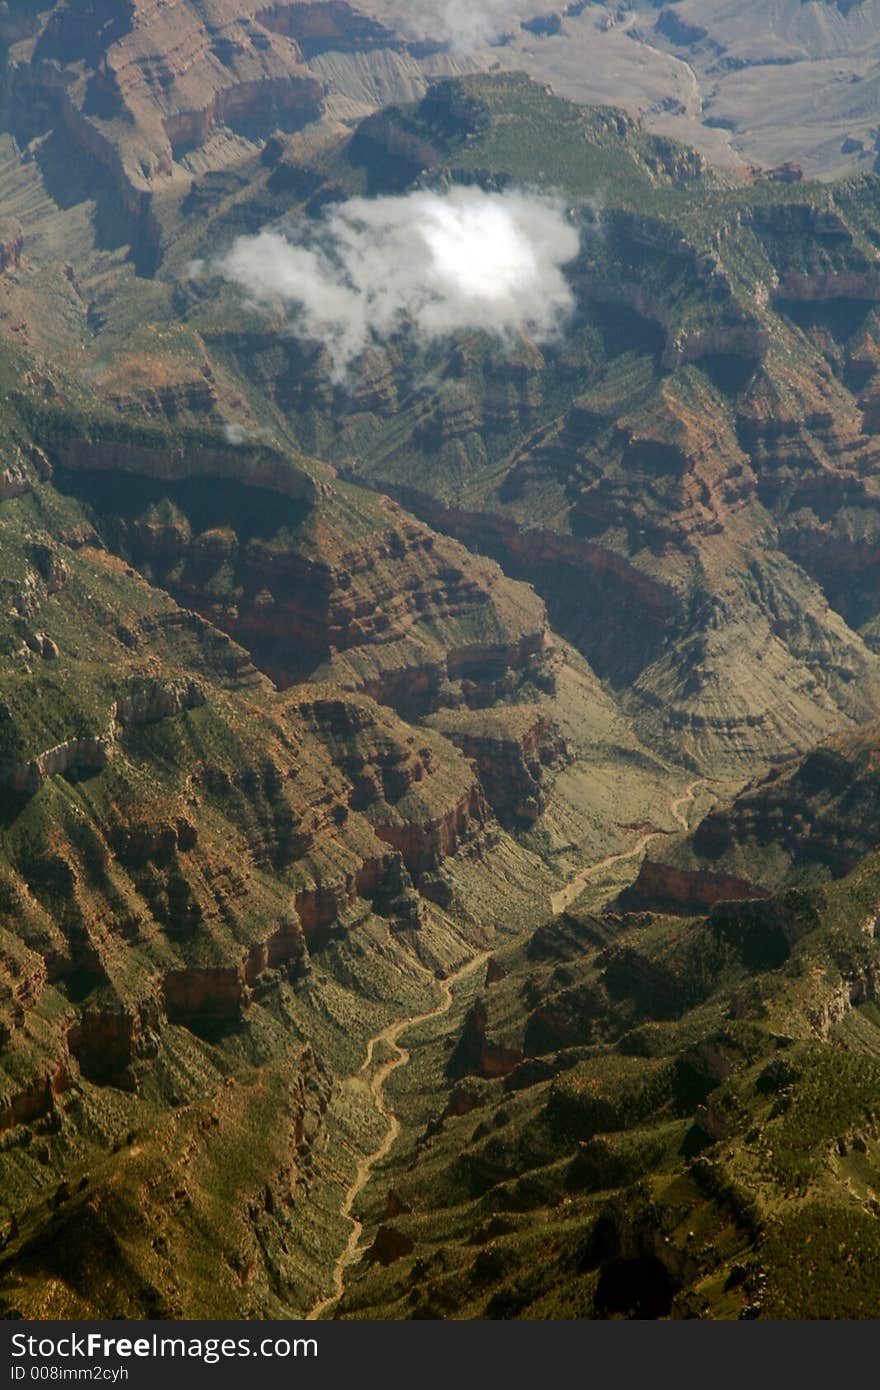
x=354 y=591
x=812 y=820
x=515 y=750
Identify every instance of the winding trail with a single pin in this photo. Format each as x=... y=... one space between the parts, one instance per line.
x=393 y=1032
x=364 y=1170
x=564 y=898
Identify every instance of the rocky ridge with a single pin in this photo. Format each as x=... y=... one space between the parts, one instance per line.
x=810 y=821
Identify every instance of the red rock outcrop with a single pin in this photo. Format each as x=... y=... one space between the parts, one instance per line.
x=325 y=25
x=204 y=995
x=36 y=1099
x=285 y=949
x=139 y=83
x=14 y=481
x=389 y=1245
x=77 y=755
x=666 y=888
x=11 y=245
x=107 y=1042
x=135 y=86
x=425 y=846
x=353 y=591
x=514 y=749
x=577 y=578
x=495 y=972
x=256 y=467
x=156 y=699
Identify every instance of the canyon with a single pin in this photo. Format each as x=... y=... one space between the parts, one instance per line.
x=446 y=786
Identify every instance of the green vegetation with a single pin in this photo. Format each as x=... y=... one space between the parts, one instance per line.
x=681 y=1162
x=227 y=864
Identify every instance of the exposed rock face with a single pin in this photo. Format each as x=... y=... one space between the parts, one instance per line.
x=665 y=888
x=325 y=909
x=514 y=750
x=737 y=338
x=256 y=105
x=814 y=818
x=157 y=700
x=396 y=785
x=425 y=847
x=11 y=245
x=114 y=1046
x=285 y=949
x=259 y=468
x=326 y=25
x=830 y=1009
x=399 y=805
x=389 y=1246
x=849 y=286
x=35 y=1100
x=138 y=85
x=577 y=579
x=77 y=755
x=745 y=344
x=14 y=481
x=107 y=1043
x=401 y=614
x=201 y=996
x=475 y=1054
x=495 y=972
x=145 y=93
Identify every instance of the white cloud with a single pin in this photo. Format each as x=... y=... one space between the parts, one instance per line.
x=436 y=263
x=464 y=24
x=236 y=434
